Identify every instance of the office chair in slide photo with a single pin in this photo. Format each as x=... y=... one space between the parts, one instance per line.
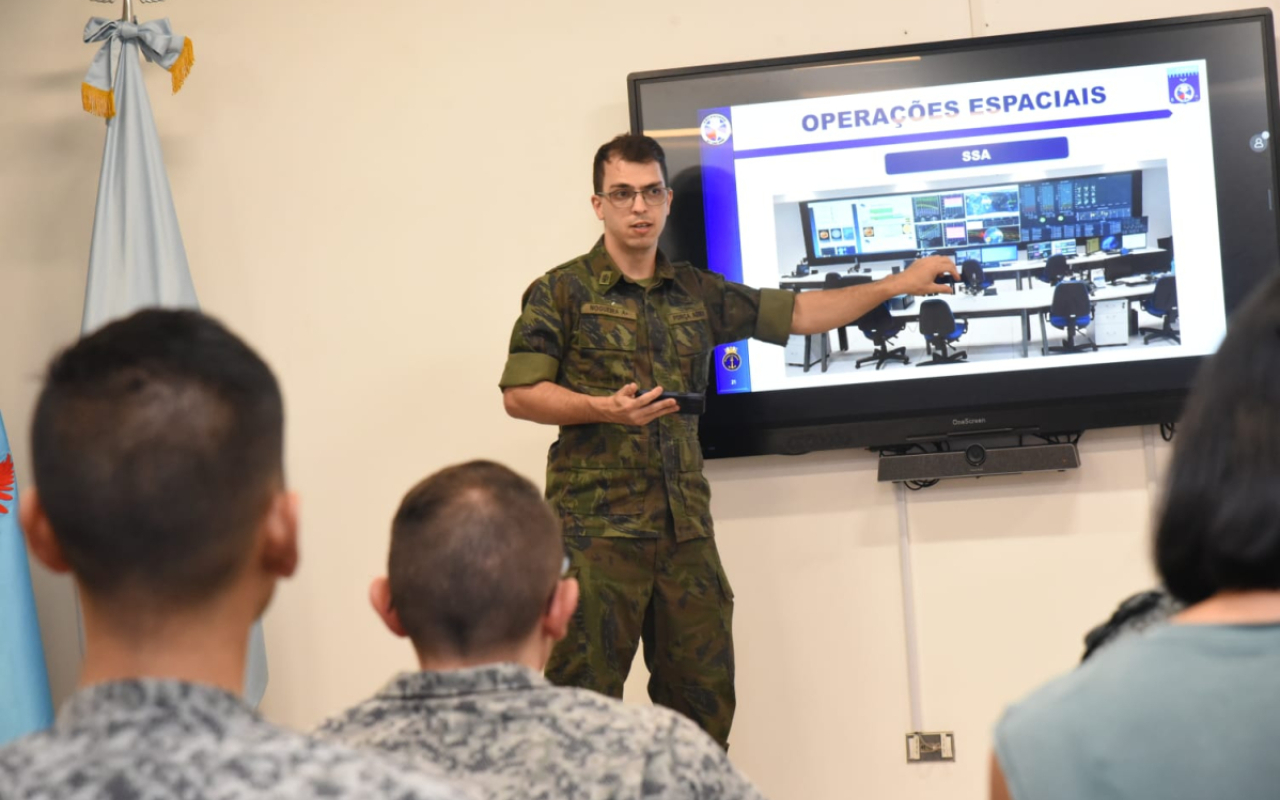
x=880 y=327
x=940 y=329
x=1116 y=268
x=974 y=278
x=1055 y=270
x=1072 y=312
x=835 y=280
x=1164 y=303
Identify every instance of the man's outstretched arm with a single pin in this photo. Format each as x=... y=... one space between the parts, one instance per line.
x=818 y=312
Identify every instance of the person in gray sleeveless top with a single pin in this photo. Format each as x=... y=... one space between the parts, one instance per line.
x=476 y=580
x=1190 y=709
x=157 y=448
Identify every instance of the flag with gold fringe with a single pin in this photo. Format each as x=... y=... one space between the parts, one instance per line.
x=136 y=256
x=158 y=44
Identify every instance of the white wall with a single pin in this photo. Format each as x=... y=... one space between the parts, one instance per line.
x=789 y=234
x=1155 y=204
x=365 y=191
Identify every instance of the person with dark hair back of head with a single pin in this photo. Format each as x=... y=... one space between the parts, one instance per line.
x=625 y=474
x=157 y=448
x=1188 y=709
x=1135 y=614
x=475 y=581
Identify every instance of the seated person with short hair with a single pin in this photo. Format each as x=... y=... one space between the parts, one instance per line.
x=475 y=580
x=157 y=447
x=1189 y=709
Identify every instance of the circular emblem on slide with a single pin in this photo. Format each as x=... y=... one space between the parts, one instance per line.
x=715 y=129
x=731 y=360
x=1184 y=93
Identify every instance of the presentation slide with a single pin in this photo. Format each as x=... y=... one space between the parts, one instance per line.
x=1057 y=188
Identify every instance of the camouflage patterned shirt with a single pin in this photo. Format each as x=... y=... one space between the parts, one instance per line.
x=505 y=729
x=170 y=740
x=589 y=329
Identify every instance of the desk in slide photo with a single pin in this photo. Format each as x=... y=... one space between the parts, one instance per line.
x=1034 y=300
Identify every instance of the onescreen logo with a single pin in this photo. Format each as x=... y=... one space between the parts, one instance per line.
x=1184 y=85
x=969 y=421
x=716 y=129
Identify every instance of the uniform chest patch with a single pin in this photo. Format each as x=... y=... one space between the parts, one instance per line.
x=677 y=317
x=608 y=310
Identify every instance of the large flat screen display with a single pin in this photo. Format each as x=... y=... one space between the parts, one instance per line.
x=1114 y=186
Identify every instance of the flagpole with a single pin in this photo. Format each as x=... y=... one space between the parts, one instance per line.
x=127 y=16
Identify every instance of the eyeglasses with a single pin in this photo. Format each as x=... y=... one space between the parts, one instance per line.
x=624 y=198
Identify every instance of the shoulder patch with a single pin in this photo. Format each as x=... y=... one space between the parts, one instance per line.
x=577 y=261
x=608 y=309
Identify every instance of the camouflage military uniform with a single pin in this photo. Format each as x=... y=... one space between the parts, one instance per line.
x=633 y=500
x=170 y=740
x=506 y=730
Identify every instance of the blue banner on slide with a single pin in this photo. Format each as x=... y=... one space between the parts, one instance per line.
x=720 y=192
x=978 y=155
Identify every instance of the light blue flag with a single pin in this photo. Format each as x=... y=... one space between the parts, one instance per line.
x=25 y=704
x=136 y=257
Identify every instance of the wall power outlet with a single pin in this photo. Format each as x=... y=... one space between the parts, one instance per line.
x=937 y=746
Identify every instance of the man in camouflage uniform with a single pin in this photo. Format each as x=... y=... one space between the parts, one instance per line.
x=158 y=453
x=475 y=579
x=626 y=471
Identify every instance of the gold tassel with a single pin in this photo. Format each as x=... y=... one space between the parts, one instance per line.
x=99 y=102
x=182 y=67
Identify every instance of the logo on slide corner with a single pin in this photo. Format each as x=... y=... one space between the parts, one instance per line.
x=716 y=129
x=1184 y=85
x=731 y=360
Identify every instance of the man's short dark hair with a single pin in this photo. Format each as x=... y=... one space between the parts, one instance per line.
x=157 y=446
x=475 y=555
x=632 y=147
x=1220 y=525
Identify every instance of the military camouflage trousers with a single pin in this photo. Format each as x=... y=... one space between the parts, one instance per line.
x=672 y=596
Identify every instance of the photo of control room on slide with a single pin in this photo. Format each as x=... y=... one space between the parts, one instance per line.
x=1053 y=264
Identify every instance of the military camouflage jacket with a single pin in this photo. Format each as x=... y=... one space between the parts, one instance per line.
x=589 y=329
x=506 y=730
x=169 y=740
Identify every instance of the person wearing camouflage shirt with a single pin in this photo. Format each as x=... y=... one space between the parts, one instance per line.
x=164 y=739
x=158 y=456
x=625 y=473
x=475 y=579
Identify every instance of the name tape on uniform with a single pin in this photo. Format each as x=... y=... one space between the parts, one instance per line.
x=609 y=310
x=688 y=316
